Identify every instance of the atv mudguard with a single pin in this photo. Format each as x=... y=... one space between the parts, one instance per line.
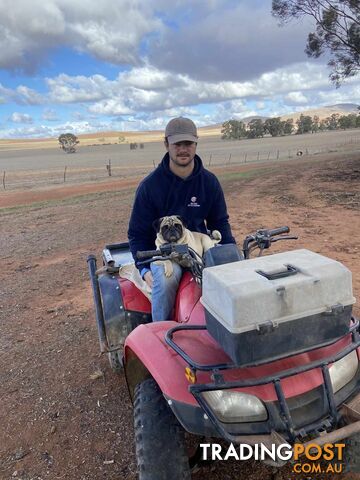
x=122 y=311
x=148 y=354
x=119 y=305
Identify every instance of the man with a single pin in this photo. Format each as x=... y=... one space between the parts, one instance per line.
x=180 y=185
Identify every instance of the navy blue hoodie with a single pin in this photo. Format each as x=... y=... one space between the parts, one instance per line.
x=197 y=198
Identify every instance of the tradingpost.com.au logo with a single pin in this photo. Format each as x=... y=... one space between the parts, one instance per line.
x=310 y=458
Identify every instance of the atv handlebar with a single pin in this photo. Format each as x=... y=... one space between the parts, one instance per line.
x=147 y=254
x=181 y=253
x=276 y=231
x=263 y=238
x=187 y=257
x=166 y=250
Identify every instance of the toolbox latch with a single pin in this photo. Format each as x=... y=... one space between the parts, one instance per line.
x=268 y=327
x=337 y=309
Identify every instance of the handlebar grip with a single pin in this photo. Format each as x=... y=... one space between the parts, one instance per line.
x=278 y=231
x=147 y=254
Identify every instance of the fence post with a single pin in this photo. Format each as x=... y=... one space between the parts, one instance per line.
x=268 y=156
x=229 y=158
x=245 y=158
x=4 y=180
x=277 y=156
x=109 y=167
x=258 y=156
x=65 y=174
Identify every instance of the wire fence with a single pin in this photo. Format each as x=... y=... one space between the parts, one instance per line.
x=275 y=154
x=111 y=169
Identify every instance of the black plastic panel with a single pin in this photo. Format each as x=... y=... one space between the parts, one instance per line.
x=288 y=338
x=222 y=254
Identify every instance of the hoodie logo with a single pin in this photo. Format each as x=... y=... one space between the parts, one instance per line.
x=193 y=202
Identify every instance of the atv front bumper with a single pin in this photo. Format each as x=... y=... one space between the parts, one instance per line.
x=194 y=420
x=299 y=417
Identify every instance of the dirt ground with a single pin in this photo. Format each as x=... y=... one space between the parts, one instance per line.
x=63 y=413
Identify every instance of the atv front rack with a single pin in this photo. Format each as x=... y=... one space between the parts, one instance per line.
x=169 y=338
x=219 y=383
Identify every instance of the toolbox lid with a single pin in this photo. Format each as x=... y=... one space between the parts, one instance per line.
x=276 y=288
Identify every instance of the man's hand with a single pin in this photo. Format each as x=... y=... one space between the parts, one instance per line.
x=149 y=279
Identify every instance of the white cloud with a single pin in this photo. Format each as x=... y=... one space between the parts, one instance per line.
x=146 y=97
x=108 y=30
x=296 y=97
x=49 y=115
x=27 y=96
x=350 y=95
x=18 y=117
x=212 y=40
x=112 y=107
x=38 y=131
x=72 y=89
x=79 y=116
x=149 y=89
x=22 y=95
x=150 y=78
x=235 y=109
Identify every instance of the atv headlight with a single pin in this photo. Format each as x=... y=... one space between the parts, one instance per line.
x=235 y=407
x=343 y=371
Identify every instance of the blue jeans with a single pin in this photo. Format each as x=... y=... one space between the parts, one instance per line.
x=164 y=291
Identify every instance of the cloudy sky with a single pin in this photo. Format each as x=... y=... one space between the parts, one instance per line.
x=94 y=65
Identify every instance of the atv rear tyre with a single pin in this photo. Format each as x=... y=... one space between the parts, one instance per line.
x=352 y=454
x=160 y=446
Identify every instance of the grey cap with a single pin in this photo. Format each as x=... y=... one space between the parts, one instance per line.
x=181 y=130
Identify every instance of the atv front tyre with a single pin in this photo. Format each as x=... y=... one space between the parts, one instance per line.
x=159 y=438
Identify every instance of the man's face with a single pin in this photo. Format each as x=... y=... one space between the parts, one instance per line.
x=181 y=153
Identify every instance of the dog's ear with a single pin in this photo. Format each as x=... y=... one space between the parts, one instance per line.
x=156 y=224
x=182 y=220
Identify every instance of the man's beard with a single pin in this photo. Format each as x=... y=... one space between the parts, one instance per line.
x=179 y=163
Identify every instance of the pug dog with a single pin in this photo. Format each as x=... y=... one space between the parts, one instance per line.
x=172 y=229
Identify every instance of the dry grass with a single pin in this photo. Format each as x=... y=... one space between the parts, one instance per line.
x=101 y=138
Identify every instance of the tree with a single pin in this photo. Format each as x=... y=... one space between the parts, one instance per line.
x=337 y=31
x=68 y=141
x=323 y=125
x=233 y=130
x=304 y=124
x=287 y=126
x=273 y=126
x=315 y=124
x=332 y=122
x=255 y=128
x=347 y=121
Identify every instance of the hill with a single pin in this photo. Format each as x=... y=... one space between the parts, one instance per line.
x=327 y=111
x=103 y=138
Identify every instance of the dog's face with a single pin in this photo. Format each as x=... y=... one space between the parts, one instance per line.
x=170 y=228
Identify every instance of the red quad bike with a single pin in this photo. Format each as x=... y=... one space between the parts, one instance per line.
x=259 y=351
